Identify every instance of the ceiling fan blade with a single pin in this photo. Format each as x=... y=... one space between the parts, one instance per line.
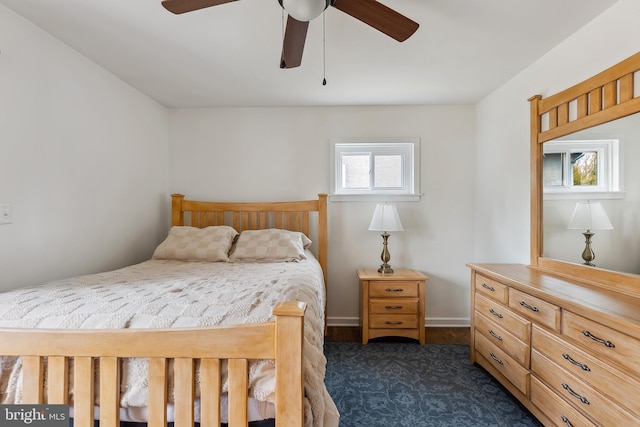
x=293 y=44
x=182 y=6
x=379 y=16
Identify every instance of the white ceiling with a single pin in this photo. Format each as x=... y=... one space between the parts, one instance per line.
x=229 y=55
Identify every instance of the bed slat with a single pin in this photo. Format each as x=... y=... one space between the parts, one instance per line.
x=58 y=380
x=33 y=381
x=238 y=390
x=183 y=372
x=83 y=391
x=158 y=368
x=109 y=392
x=210 y=392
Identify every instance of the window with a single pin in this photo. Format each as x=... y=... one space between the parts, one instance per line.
x=374 y=168
x=579 y=167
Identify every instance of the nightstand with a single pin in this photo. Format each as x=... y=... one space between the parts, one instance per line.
x=392 y=304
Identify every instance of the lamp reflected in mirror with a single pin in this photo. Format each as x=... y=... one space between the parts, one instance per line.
x=385 y=219
x=589 y=216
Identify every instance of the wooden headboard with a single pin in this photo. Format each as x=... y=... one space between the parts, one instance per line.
x=294 y=216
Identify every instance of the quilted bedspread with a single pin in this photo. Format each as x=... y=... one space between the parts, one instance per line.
x=173 y=294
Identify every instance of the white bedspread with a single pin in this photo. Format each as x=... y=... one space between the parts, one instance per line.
x=172 y=294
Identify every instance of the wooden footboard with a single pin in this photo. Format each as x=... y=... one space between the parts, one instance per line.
x=281 y=340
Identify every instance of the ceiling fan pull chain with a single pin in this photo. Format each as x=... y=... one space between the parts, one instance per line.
x=324 y=52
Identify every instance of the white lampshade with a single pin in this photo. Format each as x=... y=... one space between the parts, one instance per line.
x=304 y=10
x=589 y=216
x=385 y=218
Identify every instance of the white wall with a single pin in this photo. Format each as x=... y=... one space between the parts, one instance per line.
x=283 y=153
x=502 y=137
x=83 y=161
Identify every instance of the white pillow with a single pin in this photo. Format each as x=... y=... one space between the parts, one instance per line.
x=270 y=245
x=197 y=244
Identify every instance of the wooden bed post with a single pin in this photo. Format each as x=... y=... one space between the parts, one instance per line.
x=177 y=217
x=289 y=363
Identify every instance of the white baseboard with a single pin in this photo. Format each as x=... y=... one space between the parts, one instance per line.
x=430 y=322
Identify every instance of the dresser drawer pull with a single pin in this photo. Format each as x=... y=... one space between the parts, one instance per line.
x=530 y=307
x=496 y=336
x=395 y=307
x=493 y=356
x=498 y=315
x=574 y=394
x=600 y=340
x=489 y=288
x=389 y=322
x=566 y=421
x=573 y=362
x=394 y=290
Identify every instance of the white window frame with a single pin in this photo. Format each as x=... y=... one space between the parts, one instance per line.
x=407 y=148
x=610 y=174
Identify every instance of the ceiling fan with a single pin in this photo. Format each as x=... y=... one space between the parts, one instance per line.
x=300 y=12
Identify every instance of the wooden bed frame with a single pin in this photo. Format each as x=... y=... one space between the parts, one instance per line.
x=281 y=340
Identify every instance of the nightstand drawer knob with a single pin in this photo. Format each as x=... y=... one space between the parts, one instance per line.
x=388 y=322
x=394 y=307
x=394 y=290
x=498 y=315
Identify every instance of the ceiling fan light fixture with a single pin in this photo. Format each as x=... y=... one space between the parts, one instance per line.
x=304 y=10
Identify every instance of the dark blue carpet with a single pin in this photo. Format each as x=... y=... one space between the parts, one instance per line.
x=405 y=384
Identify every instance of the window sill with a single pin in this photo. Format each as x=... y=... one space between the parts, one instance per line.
x=375 y=197
x=584 y=195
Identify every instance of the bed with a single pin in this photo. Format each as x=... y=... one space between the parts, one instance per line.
x=225 y=323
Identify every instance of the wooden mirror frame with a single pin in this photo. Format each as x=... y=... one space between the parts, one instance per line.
x=602 y=98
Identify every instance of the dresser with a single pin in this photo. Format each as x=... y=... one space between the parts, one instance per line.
x=568 y=351
x=392 y=304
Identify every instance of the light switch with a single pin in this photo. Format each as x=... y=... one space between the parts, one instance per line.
x=5 y=213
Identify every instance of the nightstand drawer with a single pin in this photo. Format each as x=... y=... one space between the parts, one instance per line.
x=393 y=289
x=500 y=314
x=536 y=309
x=493 y=289
x=394 y=306
x=397 y=321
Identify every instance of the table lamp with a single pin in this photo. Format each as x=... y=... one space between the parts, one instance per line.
x=385 y=219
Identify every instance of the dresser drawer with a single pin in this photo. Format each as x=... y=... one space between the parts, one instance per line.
x=393 y=321
x=558 y=411
x=503 y=339
x=588 y=368
x=602 y=340
x=394 y=306
x=518 y=326
x=511 y=369
x=579 y=394
x=393 y=289
x=492 y=288
x=535 y=309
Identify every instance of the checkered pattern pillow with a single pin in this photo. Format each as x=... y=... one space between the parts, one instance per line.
x=270 y=245
x=197 y=244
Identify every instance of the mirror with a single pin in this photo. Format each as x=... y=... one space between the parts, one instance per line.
x=616 y=249
x=595 y=106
